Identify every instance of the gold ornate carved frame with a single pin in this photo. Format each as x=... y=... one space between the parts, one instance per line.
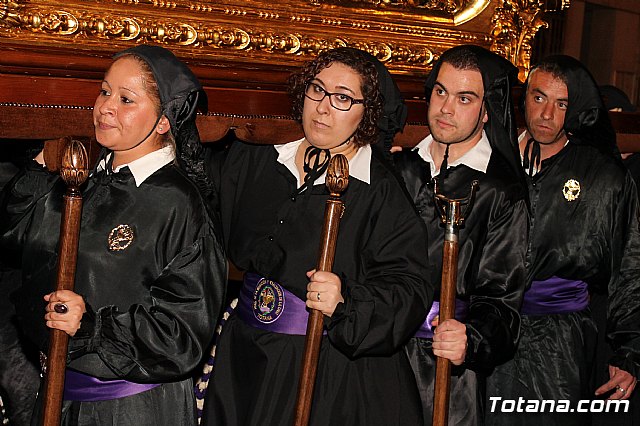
x=54 y=52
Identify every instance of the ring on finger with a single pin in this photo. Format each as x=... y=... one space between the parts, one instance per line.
x=621 y=390
x=61 y=308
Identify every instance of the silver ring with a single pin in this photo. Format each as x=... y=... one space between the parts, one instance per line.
x=621 y=390
x=61 y=308
x=318 y=296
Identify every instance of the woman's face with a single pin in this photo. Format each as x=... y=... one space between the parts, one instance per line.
x=125 y=113
x=324 y=126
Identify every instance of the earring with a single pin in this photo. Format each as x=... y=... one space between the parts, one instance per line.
x=160 y=128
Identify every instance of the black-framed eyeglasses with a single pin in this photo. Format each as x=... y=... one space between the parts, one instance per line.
x=339 y=101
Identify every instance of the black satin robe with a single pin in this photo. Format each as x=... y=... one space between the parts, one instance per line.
x=595 y=239
x=381 y=257
x=491 y=274
x=152 y=307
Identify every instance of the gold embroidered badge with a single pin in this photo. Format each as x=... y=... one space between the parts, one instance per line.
x=571 y=190
x=120 y=237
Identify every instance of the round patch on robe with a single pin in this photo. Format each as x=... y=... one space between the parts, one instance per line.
x=120 y=237
x=571 y=190
x=268 y=301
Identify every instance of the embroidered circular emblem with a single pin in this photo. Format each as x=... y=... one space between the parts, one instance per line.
x=571 y=190
x=120 y=237
x=268 y=301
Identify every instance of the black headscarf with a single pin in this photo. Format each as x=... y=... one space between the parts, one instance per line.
x=498 y=77
x=180 y=96
x=586 y=120
x=394 y=110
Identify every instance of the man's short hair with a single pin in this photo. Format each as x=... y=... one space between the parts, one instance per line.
x=462 y=59
x=553 y=68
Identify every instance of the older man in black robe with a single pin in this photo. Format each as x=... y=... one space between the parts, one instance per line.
x=584 y=242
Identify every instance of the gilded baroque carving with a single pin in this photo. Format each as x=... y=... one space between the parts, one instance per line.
x=454 y=12
x=448 y=6
x=514 y=24
x=10 y=14
x=408 y=35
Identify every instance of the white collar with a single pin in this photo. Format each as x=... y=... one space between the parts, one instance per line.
x=476 y=158
x=144 y=166
x=359 y=165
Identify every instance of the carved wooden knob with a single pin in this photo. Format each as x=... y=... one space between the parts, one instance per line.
x=74 y=168
x=337 y=174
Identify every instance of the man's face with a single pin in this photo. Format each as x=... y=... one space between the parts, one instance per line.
x=545 y=105
x=456 y=108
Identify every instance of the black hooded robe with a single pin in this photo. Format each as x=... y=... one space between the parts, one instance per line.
x=593 y=239
x=491 y=271
x=155 y=302
x=590 y=235
x=364 y=378
x=492 y=245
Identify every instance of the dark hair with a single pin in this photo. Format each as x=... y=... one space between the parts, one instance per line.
x=367 y=130
x=461 y=59
x=553 y=68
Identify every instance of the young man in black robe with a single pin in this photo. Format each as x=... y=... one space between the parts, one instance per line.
x=584 y=243
x=473 y=137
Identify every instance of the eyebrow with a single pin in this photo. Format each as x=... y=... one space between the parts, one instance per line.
x=338 y=87
x=463 y=92
x=133 y=92
x=535 y=89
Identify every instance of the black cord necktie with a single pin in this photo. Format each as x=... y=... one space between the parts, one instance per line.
x=444 y=167
x=316 y=161
x=531 y=160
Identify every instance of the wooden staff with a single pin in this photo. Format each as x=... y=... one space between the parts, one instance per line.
x=453 y=219
x=74 y=171
x=337 y=181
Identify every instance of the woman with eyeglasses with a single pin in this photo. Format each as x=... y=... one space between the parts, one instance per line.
x=272 y=206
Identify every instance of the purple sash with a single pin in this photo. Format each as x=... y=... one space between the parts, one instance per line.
x=84 y=388
x=267 y=305
x=555 y=296
x=426 y=329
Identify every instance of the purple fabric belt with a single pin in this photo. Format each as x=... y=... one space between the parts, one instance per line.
x=83 y=388
x=267 y=305
x=555 y=296
x=426 y=329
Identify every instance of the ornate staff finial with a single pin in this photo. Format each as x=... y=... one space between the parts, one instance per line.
x=74 y=168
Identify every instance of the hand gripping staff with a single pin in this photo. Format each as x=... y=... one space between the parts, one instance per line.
x=337 y=181
x=453 y=220
x=74 y=171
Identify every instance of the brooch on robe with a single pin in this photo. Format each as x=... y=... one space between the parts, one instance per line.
x=571 y=190
x=120 y=237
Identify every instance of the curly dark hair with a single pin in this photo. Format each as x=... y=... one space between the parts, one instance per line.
x=367 y=130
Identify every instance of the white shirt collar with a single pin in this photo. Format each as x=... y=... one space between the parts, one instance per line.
x=476 y=158
x=144 y=166
x=359 y=165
